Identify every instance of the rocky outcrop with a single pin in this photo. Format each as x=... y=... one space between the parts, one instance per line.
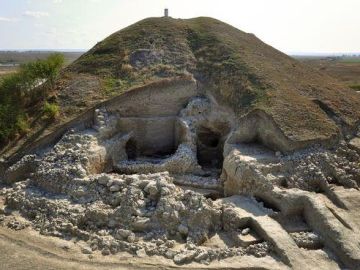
x=251 y=168
x=306 y=184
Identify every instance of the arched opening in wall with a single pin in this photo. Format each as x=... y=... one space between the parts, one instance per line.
x=209 y=148
x=131 y=149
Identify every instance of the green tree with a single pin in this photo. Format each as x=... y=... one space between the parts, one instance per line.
x=20 y=89
x=47 y=69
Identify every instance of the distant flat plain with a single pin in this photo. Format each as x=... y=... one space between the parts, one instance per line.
x=344 y=68
x=10 y=60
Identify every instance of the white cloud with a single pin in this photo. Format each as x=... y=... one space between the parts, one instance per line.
x=57 y=1
x=36 y=14
x=7 y=19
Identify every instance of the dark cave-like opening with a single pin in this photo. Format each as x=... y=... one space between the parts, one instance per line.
x=268 y=204
x=131 y=149
x=136 y=152
x=209 y=148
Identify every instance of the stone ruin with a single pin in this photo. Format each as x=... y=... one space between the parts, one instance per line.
x=173 y=173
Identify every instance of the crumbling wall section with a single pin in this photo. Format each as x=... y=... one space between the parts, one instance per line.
x=258 y=126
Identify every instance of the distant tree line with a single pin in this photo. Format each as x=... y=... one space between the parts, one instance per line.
x=16 y=57
x=30 y=85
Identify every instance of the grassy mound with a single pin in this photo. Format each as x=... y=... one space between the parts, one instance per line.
x=239 y=69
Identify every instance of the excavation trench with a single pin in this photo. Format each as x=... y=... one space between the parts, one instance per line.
x=151 y=136
x=209 y=148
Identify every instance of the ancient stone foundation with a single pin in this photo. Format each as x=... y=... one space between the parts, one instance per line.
x=182 y=179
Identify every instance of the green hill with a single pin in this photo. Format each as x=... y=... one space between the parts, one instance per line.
x=237 y=68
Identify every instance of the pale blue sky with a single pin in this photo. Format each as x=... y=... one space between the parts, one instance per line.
x=289 y=25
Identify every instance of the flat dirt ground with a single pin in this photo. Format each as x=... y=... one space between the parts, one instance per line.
x=23 y=250
x=27 y=250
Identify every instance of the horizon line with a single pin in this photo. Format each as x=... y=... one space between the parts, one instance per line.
x=291 y=53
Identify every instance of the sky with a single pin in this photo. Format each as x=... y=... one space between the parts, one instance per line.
x=292 y=26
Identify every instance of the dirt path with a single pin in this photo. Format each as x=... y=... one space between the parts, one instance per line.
x=26 y=249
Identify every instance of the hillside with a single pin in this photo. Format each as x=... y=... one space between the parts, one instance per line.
x=236 y=67
x=186 y=144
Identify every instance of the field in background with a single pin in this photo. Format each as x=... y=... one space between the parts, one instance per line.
x=344 y=68
x=10 y=60
x=6 y=70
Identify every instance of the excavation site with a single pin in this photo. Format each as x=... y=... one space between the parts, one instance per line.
x=209 y=150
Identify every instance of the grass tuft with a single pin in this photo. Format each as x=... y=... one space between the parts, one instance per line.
x=356 y=87
x=51 y=110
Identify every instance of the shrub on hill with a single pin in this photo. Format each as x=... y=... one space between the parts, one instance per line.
x=356 y=87
x=20 y=90
x=50 y=110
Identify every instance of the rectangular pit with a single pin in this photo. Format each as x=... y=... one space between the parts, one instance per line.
x=151 y=136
